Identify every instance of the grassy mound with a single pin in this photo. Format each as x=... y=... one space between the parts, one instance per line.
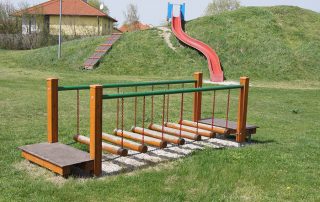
x=265 y=43
x=74 y=53
x=273 y=43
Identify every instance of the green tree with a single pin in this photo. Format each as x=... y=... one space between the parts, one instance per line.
x=219 y=6
x=8 y=24
x=97 y=3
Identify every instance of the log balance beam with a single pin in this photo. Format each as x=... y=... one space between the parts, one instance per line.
x=175 y=132
x=195 y=130
x=126 y=143
x=140 y=138
x=159 y=135
x=105 y=147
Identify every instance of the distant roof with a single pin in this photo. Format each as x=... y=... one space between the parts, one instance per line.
x=69 y=7
x=134 y=26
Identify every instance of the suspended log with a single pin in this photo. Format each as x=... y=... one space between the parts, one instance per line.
x=215 y=129
x=126 y=143
x=105 y=147
x=198 y=131
x=158 y=135
x=139 y=138
x=175 y=132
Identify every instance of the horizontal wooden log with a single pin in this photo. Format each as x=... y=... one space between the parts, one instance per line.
x=215 y=129
x=190 y=129
x=158 y=135
x=105 y=147
x=126 y=143
x=137 y=137
x=100 y=51
x=175 y=132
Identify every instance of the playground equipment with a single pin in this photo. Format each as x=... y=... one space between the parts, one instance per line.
x=62 y=159
x=216 y=73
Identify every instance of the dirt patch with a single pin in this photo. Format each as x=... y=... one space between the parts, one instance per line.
x=166 y=34
x=36 y=172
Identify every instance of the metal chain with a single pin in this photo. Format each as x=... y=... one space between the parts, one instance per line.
x=122 y=120
x=78 y=113
x=168 y=98
x=181 y=113
x=228 y=109
x=118 y=110
x=152 y=105
x=163 y=114
x=213 y=108
x=143 y=117
x=135 y=108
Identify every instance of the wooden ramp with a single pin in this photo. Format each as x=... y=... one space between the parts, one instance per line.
x=100 y=52
x=57 y=157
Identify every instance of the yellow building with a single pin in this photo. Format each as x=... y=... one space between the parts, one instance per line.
x=78 y=19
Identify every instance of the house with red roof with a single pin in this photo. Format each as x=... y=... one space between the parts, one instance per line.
x=78 y=18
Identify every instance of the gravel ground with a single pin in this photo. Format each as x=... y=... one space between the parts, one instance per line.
x=113 y=164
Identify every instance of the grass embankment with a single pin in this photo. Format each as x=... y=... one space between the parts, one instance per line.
x=275 y=43
x=283 y=166
x=266 y=43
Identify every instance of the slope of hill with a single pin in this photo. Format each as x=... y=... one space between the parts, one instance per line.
x=272 y=43
x=265 y=43
x=74 y=54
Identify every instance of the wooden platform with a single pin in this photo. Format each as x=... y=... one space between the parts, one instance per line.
x=57 y=157
x=232 y=125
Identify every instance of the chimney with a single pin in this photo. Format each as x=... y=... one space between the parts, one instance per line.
x=86 y=1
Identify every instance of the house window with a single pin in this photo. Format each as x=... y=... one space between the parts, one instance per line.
x=29 y=24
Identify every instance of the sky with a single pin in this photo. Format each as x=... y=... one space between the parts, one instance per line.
x=154 y=11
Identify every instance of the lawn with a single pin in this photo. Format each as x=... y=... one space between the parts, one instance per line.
x=281 y=165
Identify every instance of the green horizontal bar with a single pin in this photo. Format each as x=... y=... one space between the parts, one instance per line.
x=121 y=85
x=167 y=92
x=65 y=88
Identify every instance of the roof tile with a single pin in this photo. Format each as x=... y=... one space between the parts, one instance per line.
x=69 y=7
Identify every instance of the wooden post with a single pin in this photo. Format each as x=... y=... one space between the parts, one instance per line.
x=197 y=97
x=52 y=109
x=96 y=128
x=242 y=110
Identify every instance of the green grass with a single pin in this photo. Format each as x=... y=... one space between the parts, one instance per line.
x=264 y=43
x=283 y=165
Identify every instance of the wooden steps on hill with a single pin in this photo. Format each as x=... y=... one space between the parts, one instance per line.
x=101 y=51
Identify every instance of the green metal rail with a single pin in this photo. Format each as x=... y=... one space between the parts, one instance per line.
x=122 y=85
x=167 y=92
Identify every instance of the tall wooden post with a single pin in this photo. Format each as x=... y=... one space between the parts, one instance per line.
x=96 y=128
x=242 y=110
x=52 y=109
x=197 y=97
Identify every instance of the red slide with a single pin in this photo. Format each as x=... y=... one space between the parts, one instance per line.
x=216 y=73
